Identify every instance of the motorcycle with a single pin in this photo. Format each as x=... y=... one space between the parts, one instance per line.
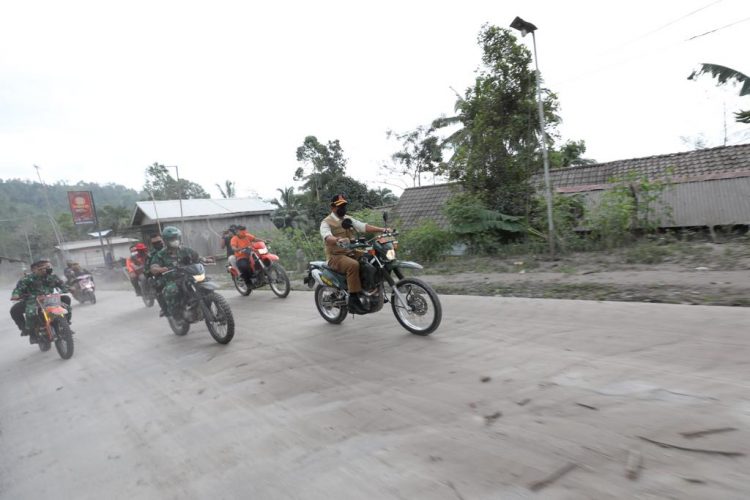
x=267 y=271
x=199 y=301
x=414 y=303
x=83 y=289
x=51 y=325
x=148 y=291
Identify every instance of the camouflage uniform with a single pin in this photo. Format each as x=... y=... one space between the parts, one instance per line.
x=30 y=286
x=171 y=258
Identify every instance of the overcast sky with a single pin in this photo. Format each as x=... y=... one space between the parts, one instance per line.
x=99 y=90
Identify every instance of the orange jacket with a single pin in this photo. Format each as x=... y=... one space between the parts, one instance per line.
x=242 y=243
x=135 y=265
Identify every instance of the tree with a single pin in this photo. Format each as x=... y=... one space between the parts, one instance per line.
x=723 y=75
x=498 y=149
x=114 y=218
x=290 y=211
x=569 y=154
x=420 y=152
x=229 y=190
x=163 y=186
x=323 y=164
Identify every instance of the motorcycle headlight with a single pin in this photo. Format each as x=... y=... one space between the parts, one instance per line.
x=263 y=251
x=199 y=277
x=390 y=254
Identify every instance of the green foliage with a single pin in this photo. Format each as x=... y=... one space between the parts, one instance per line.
x=229 y=190
x=569 y=154
x=723 y=75
x=286 y=242
x=162 y=186
x=323 y=163
x=498 y=149
x=633 y=204
x=482 y=228
x=567 y=216
x=426 y=242
x=420 y=152
x=290 y=210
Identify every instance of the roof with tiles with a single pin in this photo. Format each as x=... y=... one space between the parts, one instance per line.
x=693 y=166
x=423 y=203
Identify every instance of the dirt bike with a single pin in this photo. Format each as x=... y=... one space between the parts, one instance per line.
x=414 y=303
x=148 y=292
x=51 y=325
x=83 y=289
x=265 y=270
x=198 y=301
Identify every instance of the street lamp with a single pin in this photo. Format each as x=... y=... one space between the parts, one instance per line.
x=525 y=28
x=179 y=195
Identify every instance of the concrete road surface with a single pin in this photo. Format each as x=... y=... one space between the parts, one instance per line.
x=510 y=398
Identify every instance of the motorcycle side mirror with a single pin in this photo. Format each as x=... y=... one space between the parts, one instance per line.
x=385 y=217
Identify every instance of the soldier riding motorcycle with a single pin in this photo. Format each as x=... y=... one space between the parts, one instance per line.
x=189 y=295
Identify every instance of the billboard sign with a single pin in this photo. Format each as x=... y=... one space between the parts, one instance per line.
x=82 y=207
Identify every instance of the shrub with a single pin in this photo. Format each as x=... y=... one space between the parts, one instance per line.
x=426 y=242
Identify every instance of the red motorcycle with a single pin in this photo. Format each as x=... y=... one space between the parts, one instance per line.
x=264 y=270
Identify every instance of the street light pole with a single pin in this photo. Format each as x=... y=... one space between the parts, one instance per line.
x=526 y=27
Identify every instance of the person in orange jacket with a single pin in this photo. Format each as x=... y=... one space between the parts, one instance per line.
x=136 y=265
x=241 y=246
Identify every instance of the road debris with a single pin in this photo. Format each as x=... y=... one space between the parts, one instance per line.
x=485 y=379
x=588 y=406
x=490 y=419
x=555 y=476
x=694 y=450
x=697 y=434
x=633 y=465
x=523 y=402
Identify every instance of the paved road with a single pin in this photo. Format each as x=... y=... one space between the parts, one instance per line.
x=507 y=395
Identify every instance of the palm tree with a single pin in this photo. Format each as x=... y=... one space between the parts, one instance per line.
x=460 y=136
x=724 y=74
x=229 y=191
x=290 y=211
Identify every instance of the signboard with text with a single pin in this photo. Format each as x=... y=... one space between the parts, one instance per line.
x=82 y=207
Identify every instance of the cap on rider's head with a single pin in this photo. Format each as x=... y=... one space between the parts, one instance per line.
x=39 y=263
x=338 y=200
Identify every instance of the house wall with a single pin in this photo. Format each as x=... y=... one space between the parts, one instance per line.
x=710 y=203
x=204 y=235
x=92 y=256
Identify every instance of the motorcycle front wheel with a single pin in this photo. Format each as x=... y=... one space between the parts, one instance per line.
x=278 y=280
x=423 y=312
x=179 y=326
x=148 y=299
x=63 y=338
x=241 y=286
x=219 y=318
x=324 y=298
x=92 y=297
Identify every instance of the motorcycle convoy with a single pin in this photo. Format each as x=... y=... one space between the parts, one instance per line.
x=187 y=295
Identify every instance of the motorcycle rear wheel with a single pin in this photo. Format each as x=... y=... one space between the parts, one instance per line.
x=64 y=338
x=333 y=315
x=278 y=280
x=217 y=308
x=241 y=286
x=43 y=342
x=179 y=326
x=421 y=298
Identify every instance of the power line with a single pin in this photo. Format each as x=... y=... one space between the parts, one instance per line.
x=718 y=29
x=670 y=23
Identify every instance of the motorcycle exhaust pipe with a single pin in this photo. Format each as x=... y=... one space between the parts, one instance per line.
x=315 y=273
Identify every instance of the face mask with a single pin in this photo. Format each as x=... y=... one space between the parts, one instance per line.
x=341 y=211
x=242 y=234
x=174 y=244
x=158 y=245
x=134 y=254
x=48 y=270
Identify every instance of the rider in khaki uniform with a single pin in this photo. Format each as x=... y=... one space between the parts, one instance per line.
x=337 y=230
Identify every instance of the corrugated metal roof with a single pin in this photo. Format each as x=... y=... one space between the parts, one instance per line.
x=77 y=245
x=425 y=203
x=204 y=207
x=692 y=166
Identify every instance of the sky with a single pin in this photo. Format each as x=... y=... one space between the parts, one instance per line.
x=227 y=90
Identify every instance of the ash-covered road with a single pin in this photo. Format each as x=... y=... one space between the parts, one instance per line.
x=510 y=398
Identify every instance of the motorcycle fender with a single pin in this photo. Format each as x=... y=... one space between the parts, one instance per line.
x=270 y=257
x=208 y=285
x=56 y=310
x=407 y=264
x=324 y=277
